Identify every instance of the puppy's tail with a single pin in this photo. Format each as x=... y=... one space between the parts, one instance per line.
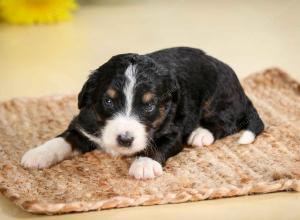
x=253 y=125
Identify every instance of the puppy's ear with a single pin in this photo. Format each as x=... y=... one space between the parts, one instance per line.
x=87 y=91
x=96 y=80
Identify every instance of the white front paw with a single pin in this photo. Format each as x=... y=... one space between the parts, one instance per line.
x=47 y=154
x=201 y=137
x=145 y=168
x=37 y=158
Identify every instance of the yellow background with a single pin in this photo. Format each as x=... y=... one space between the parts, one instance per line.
x=248 y=35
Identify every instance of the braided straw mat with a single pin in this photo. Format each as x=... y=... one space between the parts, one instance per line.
x=96 y=181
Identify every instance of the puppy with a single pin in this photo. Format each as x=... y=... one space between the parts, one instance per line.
x=150 y=106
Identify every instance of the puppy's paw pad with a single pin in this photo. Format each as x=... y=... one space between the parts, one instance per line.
x=201 y=137
x=36 y=158
x=145 y=168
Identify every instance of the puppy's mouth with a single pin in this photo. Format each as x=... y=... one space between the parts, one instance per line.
x=124 y=135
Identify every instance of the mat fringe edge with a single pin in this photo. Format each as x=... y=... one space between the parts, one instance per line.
x=189 y=195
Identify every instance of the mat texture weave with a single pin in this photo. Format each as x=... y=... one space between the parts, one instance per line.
x=96 y=181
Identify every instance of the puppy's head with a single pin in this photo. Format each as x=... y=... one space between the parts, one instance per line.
x=131 y=96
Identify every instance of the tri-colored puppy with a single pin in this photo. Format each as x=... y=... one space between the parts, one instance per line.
x=150 y=106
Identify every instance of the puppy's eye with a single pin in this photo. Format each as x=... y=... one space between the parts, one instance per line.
x=149 y=107
x=108 y=102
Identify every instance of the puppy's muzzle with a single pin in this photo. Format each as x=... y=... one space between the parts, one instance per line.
x=124 y=135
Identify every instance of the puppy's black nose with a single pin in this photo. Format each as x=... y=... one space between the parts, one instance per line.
x=125 y=139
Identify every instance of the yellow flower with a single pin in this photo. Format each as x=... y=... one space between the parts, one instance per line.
x=36 y=11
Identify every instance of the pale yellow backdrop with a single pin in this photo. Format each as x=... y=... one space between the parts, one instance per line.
x=248 y=35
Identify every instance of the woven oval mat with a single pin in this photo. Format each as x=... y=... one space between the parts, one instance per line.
x=96 y=181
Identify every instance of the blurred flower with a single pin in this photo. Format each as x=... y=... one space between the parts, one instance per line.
x=36 y=11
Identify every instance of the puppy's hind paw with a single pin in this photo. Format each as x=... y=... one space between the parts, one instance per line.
x=247 y=137
x=201 y=137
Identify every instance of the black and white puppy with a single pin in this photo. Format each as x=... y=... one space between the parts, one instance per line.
x=151 y=105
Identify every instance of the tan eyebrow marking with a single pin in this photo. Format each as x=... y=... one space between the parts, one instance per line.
x=148 y=96
x=112 y=93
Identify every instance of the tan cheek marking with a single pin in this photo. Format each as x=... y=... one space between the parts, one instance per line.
x=161 y=117
x=111 y=93
x=148 y=96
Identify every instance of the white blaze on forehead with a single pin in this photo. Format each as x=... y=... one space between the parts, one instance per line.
x=129 y=87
